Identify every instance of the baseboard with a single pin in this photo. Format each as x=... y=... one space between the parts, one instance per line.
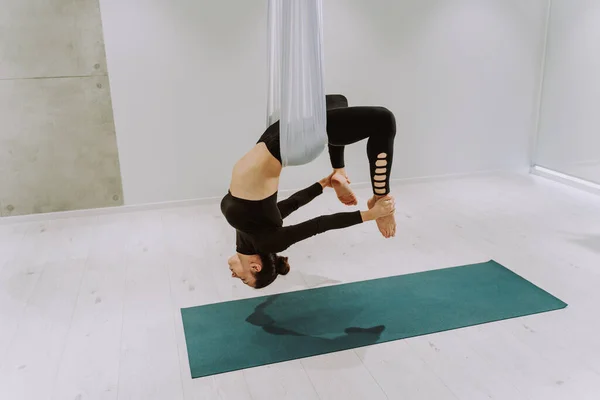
x=589 y=162
x=107 y=210
x=459 y=175
x=566 y=179
x=215 y=200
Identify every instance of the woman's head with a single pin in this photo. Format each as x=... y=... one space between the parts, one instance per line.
x=258 y=270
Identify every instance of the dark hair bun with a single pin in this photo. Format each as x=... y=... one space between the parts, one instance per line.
x=281 y=265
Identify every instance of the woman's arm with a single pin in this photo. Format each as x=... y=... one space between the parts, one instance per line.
x=302 y=198
x=284 y=237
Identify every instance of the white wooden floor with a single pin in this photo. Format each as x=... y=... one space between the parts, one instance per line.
x=89 y=307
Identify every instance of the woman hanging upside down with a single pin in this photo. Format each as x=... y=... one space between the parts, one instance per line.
x=251 y=205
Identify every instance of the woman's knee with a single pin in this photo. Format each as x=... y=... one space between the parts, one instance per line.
x=334 y=101
x=386 y=121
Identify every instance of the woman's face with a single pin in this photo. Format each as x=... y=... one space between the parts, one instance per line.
x=241 y=267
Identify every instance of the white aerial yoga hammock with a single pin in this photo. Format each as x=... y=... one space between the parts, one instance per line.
x=296 y=93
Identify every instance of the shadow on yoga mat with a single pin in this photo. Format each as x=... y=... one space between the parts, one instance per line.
x=246 y=333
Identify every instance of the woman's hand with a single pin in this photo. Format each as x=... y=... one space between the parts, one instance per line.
x=384 y=207
x=326 y=182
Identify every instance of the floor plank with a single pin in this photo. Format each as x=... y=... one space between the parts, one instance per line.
x=30 y=365
x=90 y=364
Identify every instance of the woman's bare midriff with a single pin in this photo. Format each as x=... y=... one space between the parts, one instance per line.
x=256 y=175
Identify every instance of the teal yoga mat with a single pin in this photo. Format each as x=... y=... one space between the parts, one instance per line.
x=239 y=334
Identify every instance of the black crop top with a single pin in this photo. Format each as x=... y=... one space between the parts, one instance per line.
x=259 y=223
x=271 y=139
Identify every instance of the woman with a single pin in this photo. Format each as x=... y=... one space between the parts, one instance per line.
x=251 y=205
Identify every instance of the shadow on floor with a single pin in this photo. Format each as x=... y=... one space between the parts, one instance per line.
x=351 y=337
x=590 y=242
x=313 y=281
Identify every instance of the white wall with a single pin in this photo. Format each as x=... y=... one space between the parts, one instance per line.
x=569 y=136
x=188 y=81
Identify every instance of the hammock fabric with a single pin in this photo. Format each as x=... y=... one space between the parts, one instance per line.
x=296 y=93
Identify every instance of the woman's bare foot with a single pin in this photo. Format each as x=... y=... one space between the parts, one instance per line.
x=386 y=225
x=341 y=184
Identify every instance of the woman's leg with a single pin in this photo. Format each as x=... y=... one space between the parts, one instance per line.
x=377 y=124
x=339 y=179
x=336 y=152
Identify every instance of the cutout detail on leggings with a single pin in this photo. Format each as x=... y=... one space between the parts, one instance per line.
x=381 y=177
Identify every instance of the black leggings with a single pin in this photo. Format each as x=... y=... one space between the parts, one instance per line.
x=348 y=125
